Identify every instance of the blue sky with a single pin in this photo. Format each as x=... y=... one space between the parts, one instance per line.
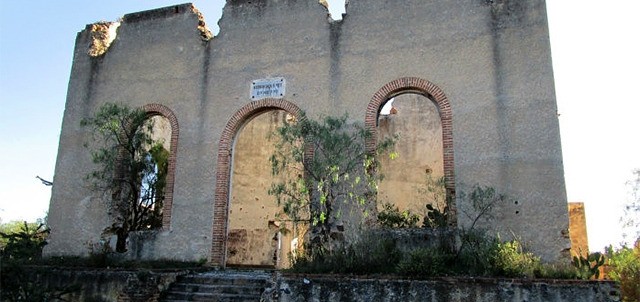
x=596 y=58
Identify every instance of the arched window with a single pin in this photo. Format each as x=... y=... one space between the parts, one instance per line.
x=414 y=179
x=429 y=93
x=154 y=169
x=163 y=154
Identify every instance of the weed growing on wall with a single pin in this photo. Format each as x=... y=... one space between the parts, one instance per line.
x=130 y=168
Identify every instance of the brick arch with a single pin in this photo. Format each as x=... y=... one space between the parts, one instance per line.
x=158 y=109
x=435 y=94
x=223 y=169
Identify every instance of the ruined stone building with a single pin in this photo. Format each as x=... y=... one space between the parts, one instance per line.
x=473 y=101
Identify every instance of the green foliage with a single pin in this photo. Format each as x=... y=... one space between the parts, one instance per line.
x=483 y=200
x=557 y=271
x=391 y=217
x=476 y=252
x=319 y=165
x=426 y=262
x=510 y=260
x=487 y=256
x=131 y=168
x=624 y=267
x=434 y=195
x=22 y=245
x=25 y=243
x=369 y=255
x=476 y=249
x=435 y=218
x=589 y=266
x=13 y=227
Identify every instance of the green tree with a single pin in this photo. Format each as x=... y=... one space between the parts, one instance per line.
x=130 y=168
x=22 y=245
x=10 y=228
x=320 y=165
x=22 y=240
x=624 y=267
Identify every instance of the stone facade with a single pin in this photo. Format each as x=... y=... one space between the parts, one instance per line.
x=484 y=65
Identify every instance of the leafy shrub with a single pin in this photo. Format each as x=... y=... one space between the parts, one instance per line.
x=23 y=247
x=624 y=267
x=468 y=252
x=391 y=217
x=556 y=271
x=25 y=244
x=475 y=253
x=426 y=262
x=367 y=256
x=482 y=255
x=510 y=260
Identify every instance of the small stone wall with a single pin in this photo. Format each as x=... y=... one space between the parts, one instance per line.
x=144 y=285
x=105 y=285
x=301 y=288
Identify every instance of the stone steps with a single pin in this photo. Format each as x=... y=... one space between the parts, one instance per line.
x=220 y=286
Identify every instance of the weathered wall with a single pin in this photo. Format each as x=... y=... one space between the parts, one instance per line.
x=161 y=131
x=415 y=123
x=490 y=61
x=578 y=229
x=157 y=57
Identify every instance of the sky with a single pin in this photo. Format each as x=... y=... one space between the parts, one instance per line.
x=596 y=60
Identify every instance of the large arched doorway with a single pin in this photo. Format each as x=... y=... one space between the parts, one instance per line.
x=223 y=248
x=256 y=235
